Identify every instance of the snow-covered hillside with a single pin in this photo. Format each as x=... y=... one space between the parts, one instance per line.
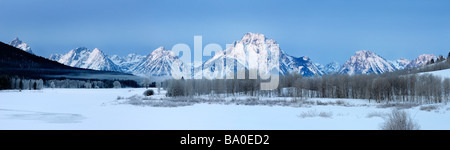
x=365 y=62
x=400 y=63
x=21 y=45
x=441 y=73
x=127 y=63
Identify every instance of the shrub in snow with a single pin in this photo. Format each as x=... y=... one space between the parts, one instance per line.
x=148 y=93
x=341 y=102
x=325 y=114
x=429 y=108
x=176 y=88
x=321 y=103
x=398 y=105
x=116 y=84
x=376 y=114
x=400 y=120
x=314 y=113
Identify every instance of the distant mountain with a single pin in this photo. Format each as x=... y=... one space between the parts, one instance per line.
x=255 y=51
x=161 y=63
x=399 y=64
x=55 y=57
x=330 y=68
x=421 y=60
x=16 y=62
x=84 y=58
x=366 y=62
x=127 y=63
x=21 y=45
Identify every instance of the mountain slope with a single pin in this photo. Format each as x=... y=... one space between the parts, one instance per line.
x=21 y=45
x=366 y=62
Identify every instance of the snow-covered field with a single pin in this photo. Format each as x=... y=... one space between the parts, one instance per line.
x=99 y=109
x=441 y=73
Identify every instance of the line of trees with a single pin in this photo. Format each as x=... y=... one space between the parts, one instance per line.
x=424 y=88
x=8 y=82
x=398 y=86
x=216 y=87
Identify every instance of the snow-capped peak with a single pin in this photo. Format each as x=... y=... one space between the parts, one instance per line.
x=79 y=50
x=160 y=63
x=305 y=58
x=256 y=51
x=82 y=57
x=21 y=45
x=96 y=50
x=159 y=49
x=365 y=62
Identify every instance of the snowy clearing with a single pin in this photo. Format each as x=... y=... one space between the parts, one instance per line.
x=441 y=73
x=100 y=109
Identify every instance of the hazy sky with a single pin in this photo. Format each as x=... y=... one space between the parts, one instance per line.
x=324 y=30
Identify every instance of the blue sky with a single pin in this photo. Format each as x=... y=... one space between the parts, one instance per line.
x=324 y=30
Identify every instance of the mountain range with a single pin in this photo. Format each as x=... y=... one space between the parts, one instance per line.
x=252 y=51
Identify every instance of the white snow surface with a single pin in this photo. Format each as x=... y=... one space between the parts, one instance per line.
x=98 y=109
x=441 y=73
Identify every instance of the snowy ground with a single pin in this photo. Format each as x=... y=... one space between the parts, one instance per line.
x=99 y=109
x=441 y=73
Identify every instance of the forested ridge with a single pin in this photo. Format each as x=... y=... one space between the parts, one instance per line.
x=17 y=65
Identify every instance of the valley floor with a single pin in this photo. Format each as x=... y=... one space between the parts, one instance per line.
x=100 y=109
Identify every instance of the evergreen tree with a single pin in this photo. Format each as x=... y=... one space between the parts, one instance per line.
x=20 y=84
x=35 y=86
x=448 y=57
x=440 y=59
x=116 y=84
